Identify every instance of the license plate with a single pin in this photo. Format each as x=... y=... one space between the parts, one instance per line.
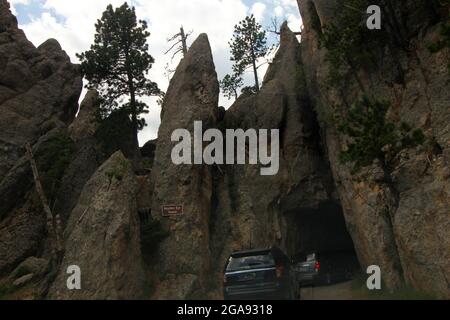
x=303 y=269
x=248 y=276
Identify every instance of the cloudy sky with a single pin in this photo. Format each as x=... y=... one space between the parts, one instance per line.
x=72 y=24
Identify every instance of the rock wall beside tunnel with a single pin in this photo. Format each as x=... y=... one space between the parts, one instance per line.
x=294 y=208
x=228 y=208
x=405 y=232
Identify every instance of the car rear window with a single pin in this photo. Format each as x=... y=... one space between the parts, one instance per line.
x=251 y=262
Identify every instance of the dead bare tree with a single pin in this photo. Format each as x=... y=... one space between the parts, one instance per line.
x=275 y=27
x=179 y=43
x=53 y=222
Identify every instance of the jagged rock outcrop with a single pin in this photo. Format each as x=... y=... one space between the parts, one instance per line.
x=7 y=19
x=148 y=150
x=184 y=257
x=36 y=86
x=86 y=123
x=66 y=160
x=401 y=224
x=87 y=156
x=39 y=90
x=103 y=237
x=411 y=243
x=254 y=211
x=22 y=221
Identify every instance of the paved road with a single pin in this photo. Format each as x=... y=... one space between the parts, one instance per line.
x=342 y=291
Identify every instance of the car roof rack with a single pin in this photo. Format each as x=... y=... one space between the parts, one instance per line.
x=252 y=252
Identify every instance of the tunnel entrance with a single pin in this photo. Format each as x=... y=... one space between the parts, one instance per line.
x=321 y=233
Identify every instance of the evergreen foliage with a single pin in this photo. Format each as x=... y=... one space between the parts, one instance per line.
x=373 y=138
x=249 y=43
x=230 y=85
x=117 y=64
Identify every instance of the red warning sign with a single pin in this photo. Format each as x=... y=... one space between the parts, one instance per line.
x=170 y=211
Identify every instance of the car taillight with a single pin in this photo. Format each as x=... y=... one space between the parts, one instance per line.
x=317 y=266
x=280 y=270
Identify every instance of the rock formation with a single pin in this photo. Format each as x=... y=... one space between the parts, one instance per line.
x=314 y=203
x=102 y=237
x=253 y=211
x=22 y=222
x=184 y=258
x=37 y=86
x=87 y=156
x=39 y=91
x=412 y=243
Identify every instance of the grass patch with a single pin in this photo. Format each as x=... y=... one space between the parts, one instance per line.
x=119 y=170
x=6 y=290
x=360 y=292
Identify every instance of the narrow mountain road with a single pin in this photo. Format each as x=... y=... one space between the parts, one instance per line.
x=341 y=291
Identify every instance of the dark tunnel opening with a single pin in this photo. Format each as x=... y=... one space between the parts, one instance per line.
x=321 y=234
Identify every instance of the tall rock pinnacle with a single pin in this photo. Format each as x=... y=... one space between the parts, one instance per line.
x=184 y=259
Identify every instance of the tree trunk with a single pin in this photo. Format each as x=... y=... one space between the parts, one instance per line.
x=134 y=125
x=184 y=41
x=255 y=70
x=54 y=228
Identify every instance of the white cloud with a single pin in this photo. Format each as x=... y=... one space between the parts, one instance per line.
x=290 y=3
x=258 y=10
x=294 y=22
x=279 y=11
x=72 y=24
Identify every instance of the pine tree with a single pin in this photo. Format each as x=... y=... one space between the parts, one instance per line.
x=249 y=43
x=373 y=137
x=230 y=85
x=117 y=64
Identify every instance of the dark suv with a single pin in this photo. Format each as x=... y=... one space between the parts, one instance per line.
x=258 y=274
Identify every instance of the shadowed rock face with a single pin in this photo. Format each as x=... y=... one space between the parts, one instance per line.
x=412 y=244
x=22 y=221
x=87 y=156
x=184 y=257
x=36 y=85
x=7 y=20
x=229 y=208
x=254 y=211
x=86 y=123
x=102 y=237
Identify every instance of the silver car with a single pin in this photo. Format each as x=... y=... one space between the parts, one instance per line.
x=308 y=272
